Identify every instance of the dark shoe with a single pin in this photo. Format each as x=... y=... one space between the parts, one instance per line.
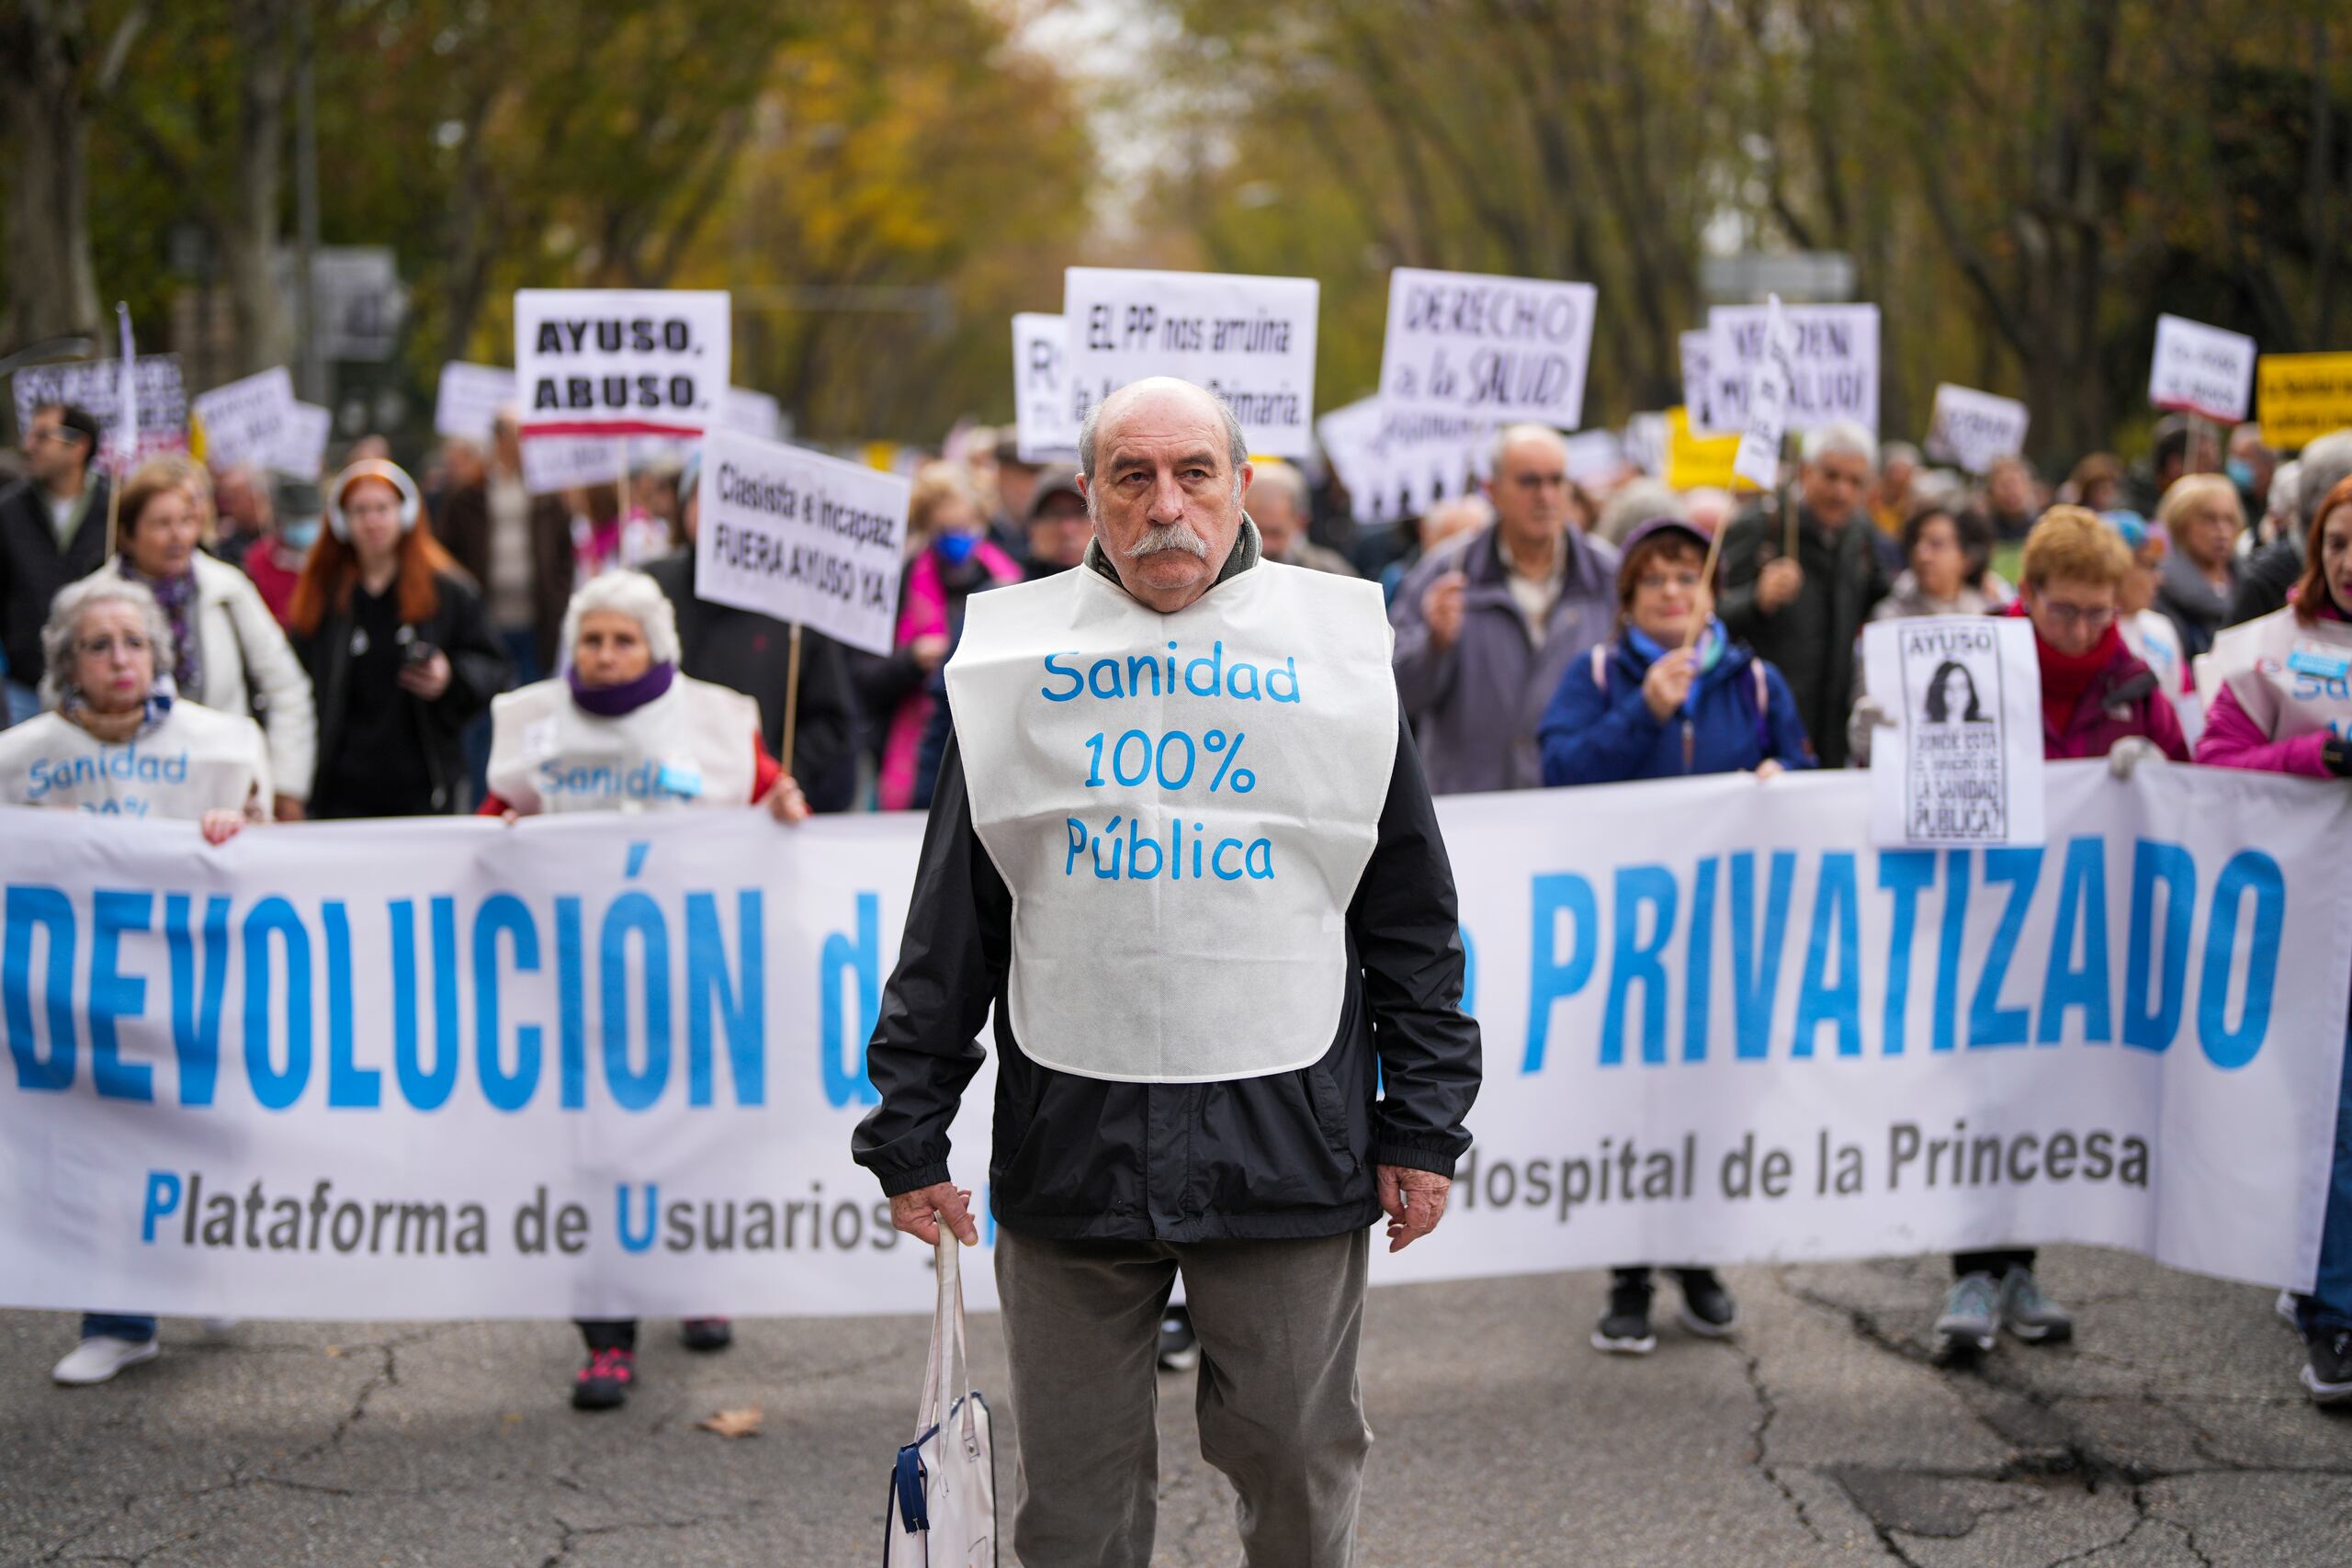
x=603 y=1383
x=1624 y=1329
x=706 y=1333
x=1180 y=1348
x=1707 y=1308
x=1971 y=1317
x=2030 y=1315
x=2328 y=1373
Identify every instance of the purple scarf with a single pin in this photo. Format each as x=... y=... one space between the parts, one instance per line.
x=178 y=597
x=612 y=701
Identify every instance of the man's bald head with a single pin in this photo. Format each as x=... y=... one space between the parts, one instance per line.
x=1163 y=467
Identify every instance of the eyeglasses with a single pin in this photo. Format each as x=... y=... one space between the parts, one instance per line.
x=1660 y=581
x=2088 y=616
x=100 y=647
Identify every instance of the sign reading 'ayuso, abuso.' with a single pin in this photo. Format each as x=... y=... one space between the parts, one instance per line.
x=600 y=1066
x=621 y=361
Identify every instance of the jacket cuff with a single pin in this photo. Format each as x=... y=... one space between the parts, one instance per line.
x=895 y=1183
x=1414 y=1158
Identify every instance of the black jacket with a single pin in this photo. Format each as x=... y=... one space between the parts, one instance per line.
x=478 y=672
x=2264 y=578
x=1811 y=638
x=32 y=569
x=748 y=652
x=1290 y=1155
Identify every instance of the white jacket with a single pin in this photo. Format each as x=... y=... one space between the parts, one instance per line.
x=244 y=651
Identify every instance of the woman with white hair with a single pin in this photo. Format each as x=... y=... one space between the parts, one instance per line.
x=113 y=741
x=622 y=729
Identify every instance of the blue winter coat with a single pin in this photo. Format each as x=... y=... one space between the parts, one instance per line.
x=1600 y=732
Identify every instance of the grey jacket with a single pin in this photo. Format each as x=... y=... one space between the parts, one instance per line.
x=1474 y=706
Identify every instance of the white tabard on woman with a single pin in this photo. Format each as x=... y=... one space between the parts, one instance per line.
x=197 y=760
x=1182 y=806
x=2290 y=676
x=690 y=746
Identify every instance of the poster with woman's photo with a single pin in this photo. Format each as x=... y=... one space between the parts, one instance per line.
x=1962 y=761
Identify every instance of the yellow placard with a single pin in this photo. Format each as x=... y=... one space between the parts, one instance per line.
x=2300 y=397
x=1693 y=461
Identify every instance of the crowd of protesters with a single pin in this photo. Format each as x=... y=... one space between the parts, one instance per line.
x=368 y=644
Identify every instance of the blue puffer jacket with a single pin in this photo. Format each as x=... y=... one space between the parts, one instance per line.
x=1599 y=730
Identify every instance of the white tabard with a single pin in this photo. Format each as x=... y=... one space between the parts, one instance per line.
x=1181 y=806
x=197 y=760
x=690 y=746
x=2292 y=676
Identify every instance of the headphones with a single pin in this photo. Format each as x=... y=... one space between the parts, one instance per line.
x=372 y=469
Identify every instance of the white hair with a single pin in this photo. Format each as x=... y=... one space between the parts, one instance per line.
x=630 y=594
x=65 y=613
x=1236 y=445
x=1285 y=480
x=1839 y=438
x=1510 y=436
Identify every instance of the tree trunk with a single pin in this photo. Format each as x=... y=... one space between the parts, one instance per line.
x=265 y=32
x=52 y=286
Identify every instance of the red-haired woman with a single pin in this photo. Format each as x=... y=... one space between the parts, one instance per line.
x=2283 y=704
x=399 y=652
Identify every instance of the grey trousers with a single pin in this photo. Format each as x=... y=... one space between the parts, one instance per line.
x=1279 y=1411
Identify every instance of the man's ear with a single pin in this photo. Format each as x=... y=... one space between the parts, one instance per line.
x=1249 y=472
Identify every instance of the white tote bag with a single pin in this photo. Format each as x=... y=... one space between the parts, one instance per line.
x=943 y=1490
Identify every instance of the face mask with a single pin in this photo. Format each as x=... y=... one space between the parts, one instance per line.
x=2241 y=472
x=957 y=549
x=300 y=533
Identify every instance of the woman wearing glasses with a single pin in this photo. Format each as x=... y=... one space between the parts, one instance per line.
x=116 y=742
x=1659 y=702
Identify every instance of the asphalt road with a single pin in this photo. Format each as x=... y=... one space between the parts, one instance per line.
x=2171 y=1435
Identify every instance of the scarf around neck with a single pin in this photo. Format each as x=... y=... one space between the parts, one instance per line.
x=612 y=701
x=177 y=596
x=2065 y=677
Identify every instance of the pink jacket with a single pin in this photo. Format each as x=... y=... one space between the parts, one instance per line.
x=2232 y=739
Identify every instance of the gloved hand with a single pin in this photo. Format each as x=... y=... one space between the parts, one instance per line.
x=1872 y=712
x=2128 y=752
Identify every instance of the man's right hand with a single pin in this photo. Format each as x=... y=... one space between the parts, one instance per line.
x=1779 y=582
x=1441 y=608
x=918 y=1213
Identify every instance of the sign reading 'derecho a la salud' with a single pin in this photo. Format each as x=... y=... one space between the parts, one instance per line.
x=1494 y=348
x=621 y=361
x=797 y=534
x=1249 y=339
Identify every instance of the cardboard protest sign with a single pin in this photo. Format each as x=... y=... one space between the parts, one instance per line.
x=753 y=413
x=1771 y=384
x=1500 y=349
x=1596 y=458
x=620 y=361
x=803 y=537
x=301 y=446
x=158 y=402
x=2201 y=369
x=1249 y=339
x=1645 y=439
x=470 y=397
x=1046 y=415
x=1697 y=385
x=1974 y=429
x=1694 y=461
x=243 y=420
x=2301 y=396
x=564 y=462
x=1833 y=364
x=1962 y=762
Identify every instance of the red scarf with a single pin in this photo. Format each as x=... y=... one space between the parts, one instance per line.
x=2067 y=676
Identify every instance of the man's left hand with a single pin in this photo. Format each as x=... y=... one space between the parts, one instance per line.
x=1415 y=1200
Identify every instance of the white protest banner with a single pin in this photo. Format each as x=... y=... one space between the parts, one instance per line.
x=1045 y=411
x=1350 y=436
x=1833 y=364
x=160 y=400
x=1500 y=349
x=610 y=1065
x=1697 y=384
x=1596 y=458
x=752 y=413
x=1962 y=763
x=243 y=420
x=1770 y=381
x=1249 y=339
x=621 y=361
x=1974 y=429
x=567 y=462
x=2201 y=370
x=1646 y=443
x=801 y=536
x=301 y=446
x=469 y=399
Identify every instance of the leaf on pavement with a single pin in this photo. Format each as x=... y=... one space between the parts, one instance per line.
x=742 y=1423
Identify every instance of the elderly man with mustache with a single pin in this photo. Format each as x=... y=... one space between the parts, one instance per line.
x=1182 y=846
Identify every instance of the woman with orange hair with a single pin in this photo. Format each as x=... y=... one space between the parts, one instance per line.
x=398 y=652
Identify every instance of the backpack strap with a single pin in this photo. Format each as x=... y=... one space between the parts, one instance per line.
x=1600 y=666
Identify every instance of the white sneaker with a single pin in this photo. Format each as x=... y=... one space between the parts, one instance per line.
x=219 y=1325
x=99 y=1357
x=2290 y=1309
